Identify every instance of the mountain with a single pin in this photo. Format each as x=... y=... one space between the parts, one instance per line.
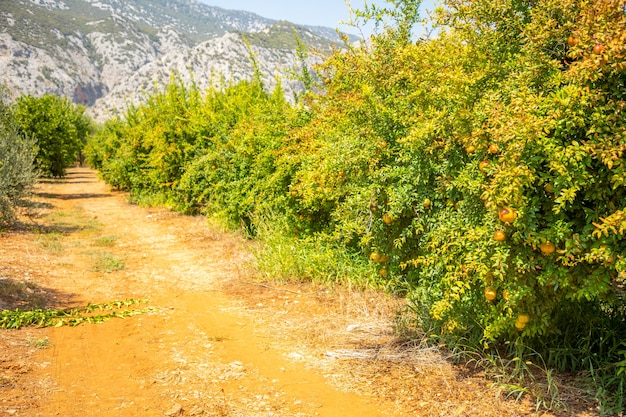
x=107 y=53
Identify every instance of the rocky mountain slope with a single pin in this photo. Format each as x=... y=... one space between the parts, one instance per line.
x=106 y=54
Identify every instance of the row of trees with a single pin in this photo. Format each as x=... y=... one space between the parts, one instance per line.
x=39 y=136
x=481 y=172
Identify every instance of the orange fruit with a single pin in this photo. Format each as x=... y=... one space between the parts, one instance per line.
x=375 y=256
x=507 y=215
x=499 y=235
x=490 y=294
x=387 y=218
x=547 y=248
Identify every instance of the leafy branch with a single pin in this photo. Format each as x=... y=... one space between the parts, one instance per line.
x=16 y=319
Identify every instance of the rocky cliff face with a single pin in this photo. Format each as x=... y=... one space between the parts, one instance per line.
x=106 y=54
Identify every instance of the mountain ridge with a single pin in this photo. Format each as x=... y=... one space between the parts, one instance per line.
x=106 y=54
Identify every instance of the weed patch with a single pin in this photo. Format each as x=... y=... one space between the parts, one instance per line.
x=105 y=241
x=107 y=262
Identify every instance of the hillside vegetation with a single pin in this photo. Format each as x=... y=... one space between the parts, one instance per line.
x=479 y=172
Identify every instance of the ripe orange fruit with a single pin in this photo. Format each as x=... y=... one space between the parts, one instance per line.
x=470 y=149
x=490 y=294
x=523 y=318
x=519 y=325
x=483 y=165
x=598 y=48
x=572 y=41
x=387 y=218
x=493 y=149
x=499 y=235
x=547 y=248
x=375 y=256
x=507 y=215
x=383 y=272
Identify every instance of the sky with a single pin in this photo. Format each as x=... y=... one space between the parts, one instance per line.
x=311 y=12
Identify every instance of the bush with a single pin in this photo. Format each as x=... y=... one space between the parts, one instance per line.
x=481 y=173
x=17 y=171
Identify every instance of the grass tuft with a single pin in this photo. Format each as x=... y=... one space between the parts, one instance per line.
x=51 y=242
x=105 y=241
x=107 y=262
x=283 y=258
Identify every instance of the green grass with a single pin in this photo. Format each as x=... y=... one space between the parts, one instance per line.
x=281 y=257
x=38 y=342
x=51 y=242
x=75 y=220
x=105 y=241
x=107 y=262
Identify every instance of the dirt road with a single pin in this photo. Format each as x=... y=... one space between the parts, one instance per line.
x=218 y=343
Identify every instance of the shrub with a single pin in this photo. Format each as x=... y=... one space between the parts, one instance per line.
x=17 y=171
x=480 y=172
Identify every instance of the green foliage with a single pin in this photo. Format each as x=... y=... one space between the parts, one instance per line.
x=15 y=319
x=17 y=170
x=211 y=154
x=400 y=169
x=60 y=128
x=283 y=258
x=107 y=262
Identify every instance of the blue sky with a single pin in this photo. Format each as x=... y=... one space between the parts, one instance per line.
x=317 y=12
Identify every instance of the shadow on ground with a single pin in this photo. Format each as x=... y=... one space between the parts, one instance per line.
x=24 y=295
x=71 y=196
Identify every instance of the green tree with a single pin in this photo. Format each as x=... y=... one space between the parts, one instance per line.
x=60 y=128
x=17 y=171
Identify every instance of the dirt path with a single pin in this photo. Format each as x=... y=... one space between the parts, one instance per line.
x=218 y=343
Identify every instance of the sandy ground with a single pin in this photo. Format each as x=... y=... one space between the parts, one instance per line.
x=218 y=341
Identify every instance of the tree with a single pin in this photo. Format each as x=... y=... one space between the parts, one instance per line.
x=59 y=127
x=17 y=173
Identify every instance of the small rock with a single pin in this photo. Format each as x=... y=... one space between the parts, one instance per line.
x=295 y=356
x=353 y=327
x=176 y=410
